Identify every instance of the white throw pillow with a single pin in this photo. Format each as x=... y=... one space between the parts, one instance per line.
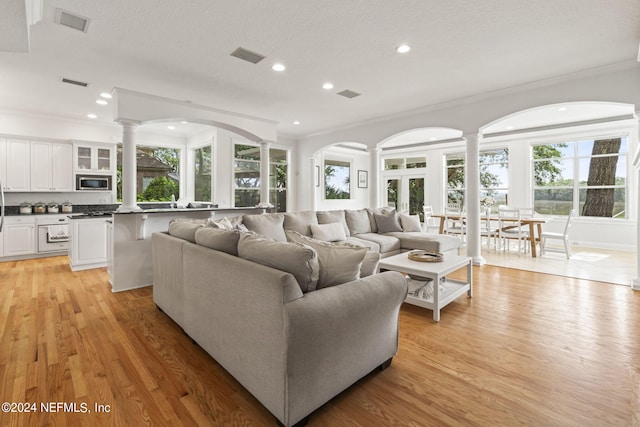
x=410 y=222
x=332 y=232
x=338 y=263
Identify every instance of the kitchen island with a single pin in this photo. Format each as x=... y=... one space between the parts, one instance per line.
x=129 y=257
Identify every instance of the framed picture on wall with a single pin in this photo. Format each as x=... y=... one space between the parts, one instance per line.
x=363 y=179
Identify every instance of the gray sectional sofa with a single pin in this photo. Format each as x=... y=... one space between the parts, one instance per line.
x=295 y=322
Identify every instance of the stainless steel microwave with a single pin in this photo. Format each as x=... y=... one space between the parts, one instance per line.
x=93 y=182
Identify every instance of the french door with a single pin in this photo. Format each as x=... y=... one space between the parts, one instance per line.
x=405 y=193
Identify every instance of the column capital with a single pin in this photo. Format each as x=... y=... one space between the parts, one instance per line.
x=129 y=122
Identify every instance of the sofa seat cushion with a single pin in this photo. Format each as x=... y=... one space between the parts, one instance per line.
x=219 y=239
x=327 y=217
x=299 y=260
x=386 y=243
x=373 y=246
x=339 y=263
x=269 y=225
x=426 y=241
x=300 y=221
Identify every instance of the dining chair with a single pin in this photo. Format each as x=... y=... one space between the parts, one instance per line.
x=489 y=229
x=510 y=227
x=564 y=236
x=454 y=222
x=431 y=224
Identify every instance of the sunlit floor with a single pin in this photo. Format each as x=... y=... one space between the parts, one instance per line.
x=603 y=265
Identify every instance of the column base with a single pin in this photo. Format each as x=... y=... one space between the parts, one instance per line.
x=635 y=284
x=478 y=260
x=128 y=209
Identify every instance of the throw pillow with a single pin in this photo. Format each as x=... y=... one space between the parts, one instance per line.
x=369 y=263
x=338 y=263
x=327 y=217
x=410 y=222
x=358 y=221
x=219 y=239
x=387 y=222
x=299 y=260
x=328 y=232
x=223 y=224
x=270 y=225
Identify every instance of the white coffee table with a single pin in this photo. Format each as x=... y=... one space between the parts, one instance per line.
x=435 y=271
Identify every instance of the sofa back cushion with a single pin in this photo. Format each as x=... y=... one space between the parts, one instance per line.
x=338 y=263
x=332 y=232
x=327 y=217
x=300 y=221
x=269 y=225
x=299 y=260
x=358 y=221
x=185 y=229
x=218 y=239
x=410 y=223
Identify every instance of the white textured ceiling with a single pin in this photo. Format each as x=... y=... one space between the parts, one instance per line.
x=180 y=49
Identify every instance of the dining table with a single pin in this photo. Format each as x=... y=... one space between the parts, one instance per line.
x=534 y=223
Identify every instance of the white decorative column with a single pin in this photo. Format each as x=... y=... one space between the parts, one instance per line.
x=472 y=200
x=264 y=175
x=374 y=173
x=129 y=169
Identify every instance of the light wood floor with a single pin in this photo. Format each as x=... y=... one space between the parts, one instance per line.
x=527 y=349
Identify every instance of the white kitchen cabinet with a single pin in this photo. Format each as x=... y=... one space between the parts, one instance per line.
x=88 y=243
x=110 y=250
x=19 y=235
x=15 y=165
x=90 y=158
x=51 y=166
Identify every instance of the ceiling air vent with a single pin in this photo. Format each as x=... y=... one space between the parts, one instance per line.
x=349 y=93
x=74 y=82
x=247 y=55
x=72 y=21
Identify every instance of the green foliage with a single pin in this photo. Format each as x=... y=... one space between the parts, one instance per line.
x=159 y=190
x=332 y=191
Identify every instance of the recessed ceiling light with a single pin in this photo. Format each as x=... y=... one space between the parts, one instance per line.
x=509 y=127
x=184 y=122
x=92 y=116
x=101 y=102
x=171 y=127
x=296 y=122
x=278 y=67
x=106 y=95
x=327 y=86
x=432 y=139
x=562 y=109
x=403 y=48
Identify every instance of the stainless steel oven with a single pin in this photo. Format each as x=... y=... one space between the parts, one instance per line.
x=53 y=235
x=93 y=182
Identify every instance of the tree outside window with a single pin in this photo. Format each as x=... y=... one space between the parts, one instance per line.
x=157 y=174
x=278 y=176
x=337 y=178
x=202 y=174
x=246 y=166
x=587 y=175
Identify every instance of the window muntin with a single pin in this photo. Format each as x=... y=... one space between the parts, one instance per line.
x=588 y=175
x=337 y=179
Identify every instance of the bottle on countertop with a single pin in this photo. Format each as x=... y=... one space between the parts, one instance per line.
x=26 y=208
x=67 y=207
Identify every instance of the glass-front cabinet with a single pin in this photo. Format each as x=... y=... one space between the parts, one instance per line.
x=93 y=158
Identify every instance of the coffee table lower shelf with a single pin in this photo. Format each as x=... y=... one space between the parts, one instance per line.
x=437 y=272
